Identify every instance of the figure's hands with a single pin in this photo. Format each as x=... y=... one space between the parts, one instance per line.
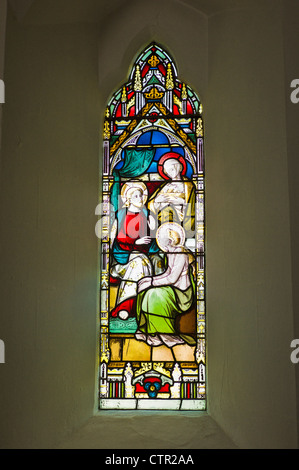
x=162 y=198
x=144 y=283
x=151 y=222
x=143 y=241
x=169 y=198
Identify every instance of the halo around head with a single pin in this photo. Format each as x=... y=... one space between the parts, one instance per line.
x=163 y=234
x=133 y=186
x=173 y=156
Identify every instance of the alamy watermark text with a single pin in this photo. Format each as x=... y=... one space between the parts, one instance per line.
x=2 y=352
x=2 y=92
x=295 y=93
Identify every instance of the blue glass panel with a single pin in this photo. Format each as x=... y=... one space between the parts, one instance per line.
x=145 y=139
x=153 y=168
x=119 y=165
x=160 y=152
x=152 y=138
x=159 y=138
x=189 y=172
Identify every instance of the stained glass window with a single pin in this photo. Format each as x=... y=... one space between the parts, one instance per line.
x=152 y=279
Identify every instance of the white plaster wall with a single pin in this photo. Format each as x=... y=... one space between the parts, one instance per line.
x=3 y=8
x=291 y=46
x=20 y=7
x=252 y=392
x=182 y=30
x=48 y=270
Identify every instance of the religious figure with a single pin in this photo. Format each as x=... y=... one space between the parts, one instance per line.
x=161 y=298
x=174 y=200
x=134 y=253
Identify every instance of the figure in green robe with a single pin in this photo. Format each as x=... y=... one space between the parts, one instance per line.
x=163 y=297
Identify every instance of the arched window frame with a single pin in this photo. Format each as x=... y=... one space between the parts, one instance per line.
x=139 y=106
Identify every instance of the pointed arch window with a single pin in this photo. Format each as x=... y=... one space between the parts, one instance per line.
x=152 y=289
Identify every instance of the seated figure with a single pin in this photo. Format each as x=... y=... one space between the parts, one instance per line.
x=163 y=297
x=134 y=253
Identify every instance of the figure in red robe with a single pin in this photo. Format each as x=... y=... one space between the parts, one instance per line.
x=134 y=252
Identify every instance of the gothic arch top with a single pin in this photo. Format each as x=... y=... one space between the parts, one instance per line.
x=153 y=93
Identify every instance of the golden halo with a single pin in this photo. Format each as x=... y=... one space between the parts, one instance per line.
x=163 y=234
x=134 y=185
